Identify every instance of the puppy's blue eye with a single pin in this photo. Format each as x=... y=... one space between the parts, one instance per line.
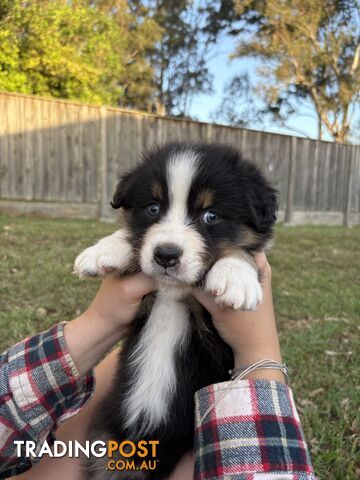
x=210 y=218
x=153 y=209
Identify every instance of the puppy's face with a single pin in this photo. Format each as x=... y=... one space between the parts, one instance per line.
x=187 y=206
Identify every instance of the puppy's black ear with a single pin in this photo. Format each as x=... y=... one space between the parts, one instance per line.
x=122 y=190
x=263 y=205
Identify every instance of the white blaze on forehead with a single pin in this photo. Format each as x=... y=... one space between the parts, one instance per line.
x=176 y=227
x=181 y=171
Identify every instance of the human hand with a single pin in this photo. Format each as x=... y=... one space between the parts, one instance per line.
x=251 y=335
x=107 y=319
x=118 y=299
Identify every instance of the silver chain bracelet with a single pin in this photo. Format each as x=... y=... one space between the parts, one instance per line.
x=240 y=372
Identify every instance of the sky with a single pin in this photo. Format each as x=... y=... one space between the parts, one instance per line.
x=224 y=69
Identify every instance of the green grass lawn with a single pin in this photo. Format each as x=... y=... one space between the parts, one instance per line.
x=316 y=278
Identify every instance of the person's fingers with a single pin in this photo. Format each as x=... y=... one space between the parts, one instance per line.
x=206 y=299
x=263 y=264
x=139 y=285
x=107 y=269
x=260 y=259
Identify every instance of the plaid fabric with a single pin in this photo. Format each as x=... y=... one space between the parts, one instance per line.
x=39 y=388
x=252 y=433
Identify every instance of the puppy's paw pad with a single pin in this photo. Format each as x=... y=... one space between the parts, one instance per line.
x=235 y=284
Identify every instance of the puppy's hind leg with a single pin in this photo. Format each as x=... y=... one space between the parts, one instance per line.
x=113 y=252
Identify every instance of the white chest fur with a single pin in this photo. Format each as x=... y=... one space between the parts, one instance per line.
x=153 y=361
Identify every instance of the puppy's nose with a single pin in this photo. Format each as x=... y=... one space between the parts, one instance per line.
x=167 y=255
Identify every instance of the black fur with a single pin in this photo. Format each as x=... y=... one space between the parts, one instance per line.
x=206 y=361
x=245 y=202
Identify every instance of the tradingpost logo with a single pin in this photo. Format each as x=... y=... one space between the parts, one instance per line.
x=128 y=450
x=139 y=455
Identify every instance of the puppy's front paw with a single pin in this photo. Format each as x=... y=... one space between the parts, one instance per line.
x=110 y=253
x=235 y=284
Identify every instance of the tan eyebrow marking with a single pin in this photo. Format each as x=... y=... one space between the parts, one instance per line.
x=157 y=191
x=204 y=199
x=247 y=238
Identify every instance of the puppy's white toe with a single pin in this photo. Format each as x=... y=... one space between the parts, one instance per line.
x=87 y=263
x=235 y=284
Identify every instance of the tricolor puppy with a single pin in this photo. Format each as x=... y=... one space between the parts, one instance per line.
x=193 y=215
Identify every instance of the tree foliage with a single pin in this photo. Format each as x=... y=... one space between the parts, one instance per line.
x=149 y=54
x=153 y=55
x=308 y=51
x=93 y=51
x=180 y=57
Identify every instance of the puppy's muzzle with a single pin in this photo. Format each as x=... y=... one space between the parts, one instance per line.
x=167 y=255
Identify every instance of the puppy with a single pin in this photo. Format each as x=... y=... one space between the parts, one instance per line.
x=193 y=215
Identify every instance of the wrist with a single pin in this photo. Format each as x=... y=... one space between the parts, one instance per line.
x=248 y=357
x=89 y=337
x=242 y=361
x=113 y=326
x=266 y=374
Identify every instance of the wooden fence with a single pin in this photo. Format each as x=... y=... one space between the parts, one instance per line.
x=64 y=158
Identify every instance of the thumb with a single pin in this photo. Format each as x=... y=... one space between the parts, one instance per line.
x=139 y=285
x=206 y=299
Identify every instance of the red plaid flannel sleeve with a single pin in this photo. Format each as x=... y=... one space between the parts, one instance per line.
x=39 y=388
x=252 y=433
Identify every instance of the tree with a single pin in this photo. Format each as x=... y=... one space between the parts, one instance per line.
x=309 y=51
x=179 y=58
x=76 y=49
x=239 y=105
x=143 y=33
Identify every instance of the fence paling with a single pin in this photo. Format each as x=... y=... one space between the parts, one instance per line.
x=59 y=151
